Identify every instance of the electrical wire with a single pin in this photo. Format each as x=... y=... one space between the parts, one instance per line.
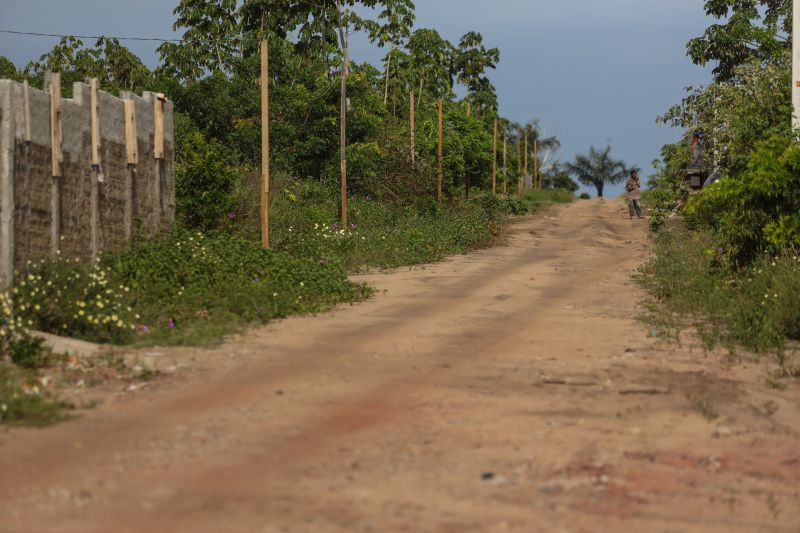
x=154 y=39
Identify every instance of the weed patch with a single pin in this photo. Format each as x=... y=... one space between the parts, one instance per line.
x=694 y=284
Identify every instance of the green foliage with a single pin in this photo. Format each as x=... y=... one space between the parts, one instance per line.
x=116 y=67
x=692 y=285
x=204 y=177
x=380 y=235
x=758 y=210
x=585 y=196
x=22 y=402
x=735 y=115
x=753 y=31
x=188 y=287
x=598 y=168
x=28 y=352
x=69 y=298
x=8 y=70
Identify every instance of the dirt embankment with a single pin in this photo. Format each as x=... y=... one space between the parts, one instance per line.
x=508 y=390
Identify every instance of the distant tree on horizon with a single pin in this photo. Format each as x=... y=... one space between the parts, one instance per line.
x=598 y=168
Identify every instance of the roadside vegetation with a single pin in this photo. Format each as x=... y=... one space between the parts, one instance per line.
x=209 y=276
x=726 y=258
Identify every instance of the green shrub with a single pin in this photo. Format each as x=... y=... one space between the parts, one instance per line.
x=186 y=284
x=758 y=211
x=23 y=402
x=28 y=352
x=693 y=283
x=205 y=175
x=69 y=298
x=585 y=196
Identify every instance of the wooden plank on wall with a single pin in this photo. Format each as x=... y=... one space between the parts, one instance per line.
x=158 y=126
x=26 y=102
x=131 y=138
x=94 y=122
x=55 y=123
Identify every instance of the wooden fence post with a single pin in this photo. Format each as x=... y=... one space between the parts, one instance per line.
x=505 y=161
x=94 y=127
x=265 y=143
x=525 y=185
x=440 y=170
x=519 y=161
x=56 y=158
x=412 y=113
x=494 y=159
x=7 y=165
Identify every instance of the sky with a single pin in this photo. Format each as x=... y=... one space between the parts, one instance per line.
x=593 y=72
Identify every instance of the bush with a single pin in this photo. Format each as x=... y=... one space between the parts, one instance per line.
x=585 y=196
x=758 y=211
x=22 y=402
x=186 y=284
x=205 y=175
x=690 y=276
x=68 y=298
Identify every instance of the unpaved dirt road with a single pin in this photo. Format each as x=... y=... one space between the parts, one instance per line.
x=508 y=390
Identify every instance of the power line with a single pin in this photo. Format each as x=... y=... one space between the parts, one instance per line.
x=92 y=36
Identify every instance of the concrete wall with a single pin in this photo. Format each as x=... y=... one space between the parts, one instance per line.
x=87 y=209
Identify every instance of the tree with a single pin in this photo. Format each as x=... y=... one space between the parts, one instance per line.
x=431 y=63
x=598 y=168
x=8 y=70
x=116 y=67
x=470 y=62
x=753 y=29
x=555 y=176
x=210 y=41
x=396 y=21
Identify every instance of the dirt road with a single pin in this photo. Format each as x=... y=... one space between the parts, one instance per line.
x=508 y=390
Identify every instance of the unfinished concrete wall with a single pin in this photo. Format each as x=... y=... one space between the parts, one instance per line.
x=69 y=187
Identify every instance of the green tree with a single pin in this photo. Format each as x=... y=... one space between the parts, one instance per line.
x=116 y=67
x=752 y=30
x=471 y=61
x=8 y=70
x=598 y=168
x=431 y=59
x=211 y=38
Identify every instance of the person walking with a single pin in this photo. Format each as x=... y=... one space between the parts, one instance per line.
x=633 y=187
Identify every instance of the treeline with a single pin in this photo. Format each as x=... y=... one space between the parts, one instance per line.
x=733 y=260
x=212 y=77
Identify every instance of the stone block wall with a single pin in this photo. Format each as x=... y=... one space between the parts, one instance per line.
x=87 y=203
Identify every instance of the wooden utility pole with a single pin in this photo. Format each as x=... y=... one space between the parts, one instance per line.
x=519 y=161
x=796 y=65
x=265 y=143
x=344 y=38
x=469 y=110
x=536 y=173
x=412 y=112
x=440 y=170
x=526 y=185
x=505 y=161
x=494 y=159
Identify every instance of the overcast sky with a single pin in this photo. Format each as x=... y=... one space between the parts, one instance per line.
x=592 y=71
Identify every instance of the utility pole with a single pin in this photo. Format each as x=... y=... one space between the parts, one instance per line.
x=344 y=38
x=526 y=185
x=413 y=133
x=494 y=159
x=265 y=143
x=796 y=65
x=505 y=161
x=440 y=169
x=519 y=161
